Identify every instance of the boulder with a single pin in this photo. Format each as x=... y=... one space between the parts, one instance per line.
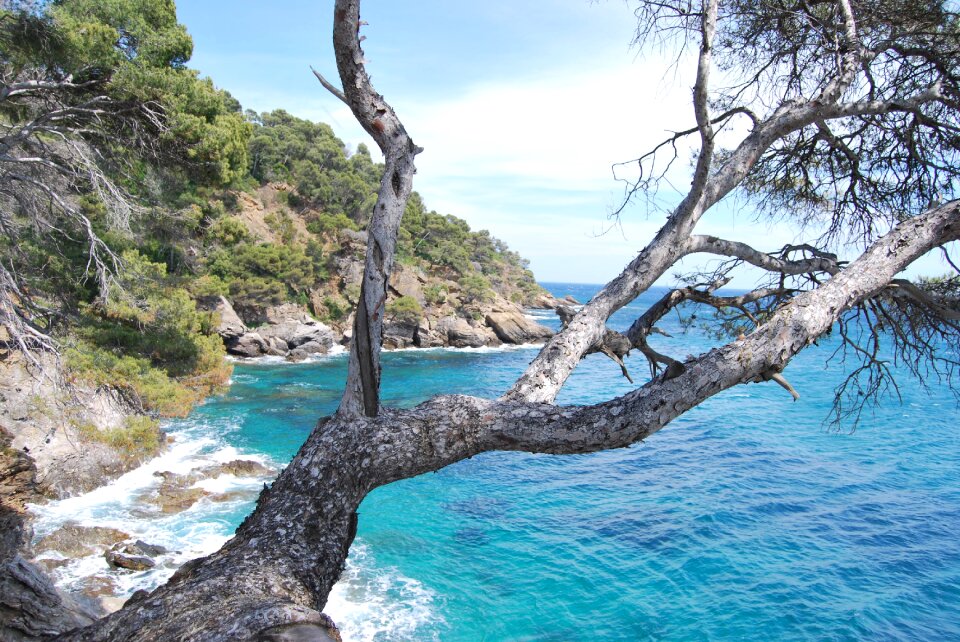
x=514 y=327
x=296 y=355
x=399 y=334
x=460 y=334
x=276 y=347
x=314 y=347
x=239 y=468
x=250 y=344
x=427 y=335
x=294 y=334
x=131 y=556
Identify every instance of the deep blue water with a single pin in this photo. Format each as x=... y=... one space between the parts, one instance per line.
x=746 y=518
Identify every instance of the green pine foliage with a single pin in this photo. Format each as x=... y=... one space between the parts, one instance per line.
x=192 y=161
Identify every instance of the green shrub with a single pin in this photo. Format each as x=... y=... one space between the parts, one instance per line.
x=138 y=439
x=336 y=309
x=435 y=294
x=405 y=309
x=475 y=288
x=329 y=224
x=228 y=231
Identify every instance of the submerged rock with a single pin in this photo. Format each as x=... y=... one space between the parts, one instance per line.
x=239 y=468
x=74 y=540
x=131 y=556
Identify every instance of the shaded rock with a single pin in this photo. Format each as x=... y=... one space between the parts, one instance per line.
x=249 y=345
x=399 y=334
x=18 y=486
x=73 y=540
x=31 y=607
x=514 y=327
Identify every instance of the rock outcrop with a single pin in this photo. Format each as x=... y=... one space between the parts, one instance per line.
x=47 y=420
x=290 y=332
x=514 y=327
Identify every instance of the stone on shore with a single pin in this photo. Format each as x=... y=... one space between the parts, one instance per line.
x=514 y=327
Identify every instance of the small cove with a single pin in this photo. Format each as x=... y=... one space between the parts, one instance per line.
x=745 y=518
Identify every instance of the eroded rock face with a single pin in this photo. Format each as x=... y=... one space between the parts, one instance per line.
x=514 y=327
x=249 y=345
x=43 y=414
x=408 y=281
x=231 y=326
x=461 y=334
x=399 y=334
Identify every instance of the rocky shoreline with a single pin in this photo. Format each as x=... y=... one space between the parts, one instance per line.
x=290 y=331
x=45 y=453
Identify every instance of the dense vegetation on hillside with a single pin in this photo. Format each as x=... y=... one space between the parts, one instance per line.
x=131 y=189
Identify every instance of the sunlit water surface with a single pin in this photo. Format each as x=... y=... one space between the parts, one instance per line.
x=744 y=519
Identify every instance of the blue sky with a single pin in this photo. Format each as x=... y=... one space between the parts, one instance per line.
x=521 y=107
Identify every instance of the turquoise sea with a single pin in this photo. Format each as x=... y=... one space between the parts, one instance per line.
x=747 y=518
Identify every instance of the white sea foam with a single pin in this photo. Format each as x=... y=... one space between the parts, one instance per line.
x=369 y=603
x=199 y=530
x=374 y=603
x=336 y=350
